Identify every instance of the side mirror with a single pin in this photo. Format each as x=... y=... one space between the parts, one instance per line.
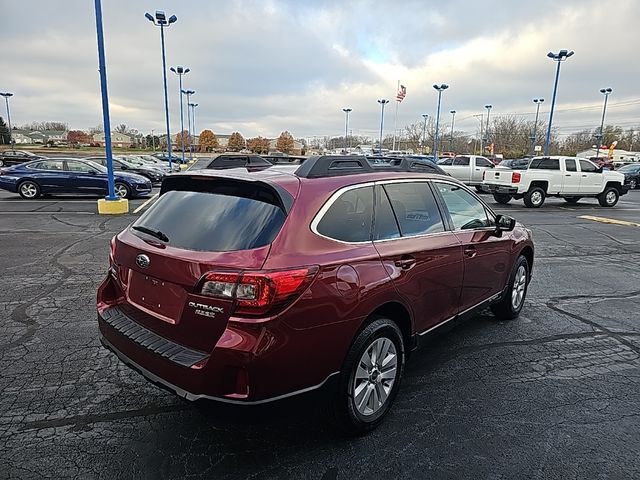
x=505 y=223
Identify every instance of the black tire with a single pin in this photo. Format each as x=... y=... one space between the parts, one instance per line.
x=505 y=309
x=479 y=189
x=1 y=163
x=502 y=198
x=122 y=190
x=609 y=197
x=29 y=190
x=535 y=197
x=343 y=413
x=572 y=200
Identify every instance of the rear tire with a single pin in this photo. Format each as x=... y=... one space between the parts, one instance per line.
x=29 y=190
x=609 y=197
x=502 y=198
x=368 y=384
x=572 y=200
x=534 y=198
x=510 y=305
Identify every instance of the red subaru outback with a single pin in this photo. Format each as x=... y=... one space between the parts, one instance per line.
x=248 y=287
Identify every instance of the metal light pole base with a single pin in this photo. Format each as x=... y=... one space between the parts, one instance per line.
x=113 y=207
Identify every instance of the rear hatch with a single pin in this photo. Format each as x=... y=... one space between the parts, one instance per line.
x=179 y=263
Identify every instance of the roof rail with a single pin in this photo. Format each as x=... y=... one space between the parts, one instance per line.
x=338 y=165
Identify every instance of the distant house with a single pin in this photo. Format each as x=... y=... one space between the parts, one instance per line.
x=120 y=140
x=57 y=137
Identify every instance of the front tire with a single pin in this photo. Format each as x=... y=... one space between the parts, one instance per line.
x=502 y=198
x=370 y=378
x=534 y=198
x=633 y=183
x=609 y=197
x=29 y=190
x=510 y=305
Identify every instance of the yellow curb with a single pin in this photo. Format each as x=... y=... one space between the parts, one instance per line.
x=113 y=207
x=610 y=220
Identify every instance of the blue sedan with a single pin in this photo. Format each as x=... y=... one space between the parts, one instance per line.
x=69 y=176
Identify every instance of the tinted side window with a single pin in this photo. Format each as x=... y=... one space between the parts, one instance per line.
x=349 y=217
x=385 y=224
x=48 y=165
x=446 y=161
x=79 y=167
x=415 y=208
x=545 y=164
x=571 y=165
x=461 y=161
x=483 y=162
x=465 y=210
x=586 y=166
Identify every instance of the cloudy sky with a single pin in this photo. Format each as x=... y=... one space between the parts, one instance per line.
x=264 y=66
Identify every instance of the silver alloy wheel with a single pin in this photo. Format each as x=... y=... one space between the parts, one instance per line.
x=536 y=198
x=519 y=285
x=375 y=375
x=120 y=190
x=632 y=184
x=610 y=197
x=29 y=190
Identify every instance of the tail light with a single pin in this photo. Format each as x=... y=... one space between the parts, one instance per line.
x=515 y=177
x=112 y=252
x=258 y=293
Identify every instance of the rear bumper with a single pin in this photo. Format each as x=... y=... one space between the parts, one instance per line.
x=499 y=189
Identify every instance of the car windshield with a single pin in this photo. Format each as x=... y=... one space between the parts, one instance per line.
x=629 y=169
x=95 y=165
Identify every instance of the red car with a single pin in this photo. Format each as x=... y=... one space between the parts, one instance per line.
x=248 y=287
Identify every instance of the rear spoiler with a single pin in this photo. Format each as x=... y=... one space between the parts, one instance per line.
x=228 y=185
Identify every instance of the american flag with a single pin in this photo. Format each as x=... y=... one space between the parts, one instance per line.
x=401 y=93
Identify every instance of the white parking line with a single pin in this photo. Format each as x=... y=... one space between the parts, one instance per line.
x=144 y=205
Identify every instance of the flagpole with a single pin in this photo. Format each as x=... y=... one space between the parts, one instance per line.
x=395 y=121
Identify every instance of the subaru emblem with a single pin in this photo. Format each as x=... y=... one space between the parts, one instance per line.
x=143 y=261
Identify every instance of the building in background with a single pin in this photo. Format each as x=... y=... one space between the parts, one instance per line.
x=120 y=140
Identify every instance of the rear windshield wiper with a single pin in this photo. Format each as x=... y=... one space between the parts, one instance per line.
x=150 y=231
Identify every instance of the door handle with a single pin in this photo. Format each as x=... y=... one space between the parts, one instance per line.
x=470 y=251
x=405 y=262
x=584 y=176
x=567 y=175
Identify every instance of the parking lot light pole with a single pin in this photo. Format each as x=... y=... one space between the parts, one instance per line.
x=439 y=89
x=193 y=120
x=161 y=21
x=6 y=96
x=188 y=93
x=453 y=119
x=486 y=130
x=559 y=57
x=424 y=130
x=538 y=102
x=382 y=102
x=346 y=126
x=180 y=71
x=606 y=92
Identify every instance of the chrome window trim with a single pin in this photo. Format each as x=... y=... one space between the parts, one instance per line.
x=327 y=205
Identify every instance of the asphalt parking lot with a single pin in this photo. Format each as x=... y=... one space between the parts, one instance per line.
x=555 y=394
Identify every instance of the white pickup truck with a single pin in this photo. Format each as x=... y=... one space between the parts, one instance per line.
x=469 y=169
x=568 y=177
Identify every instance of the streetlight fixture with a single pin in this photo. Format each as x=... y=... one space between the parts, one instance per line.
x=559 y=57
x=440 y=89
x=453 y=118
x=188 y=93
x=486 y=130
x=424 y=130
x=6 y=96
x=382 y=102
x=538 y=102
x=161 y=21
x=193 y=121
x=346 y=125
x=606 y=92
x=180 y=71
